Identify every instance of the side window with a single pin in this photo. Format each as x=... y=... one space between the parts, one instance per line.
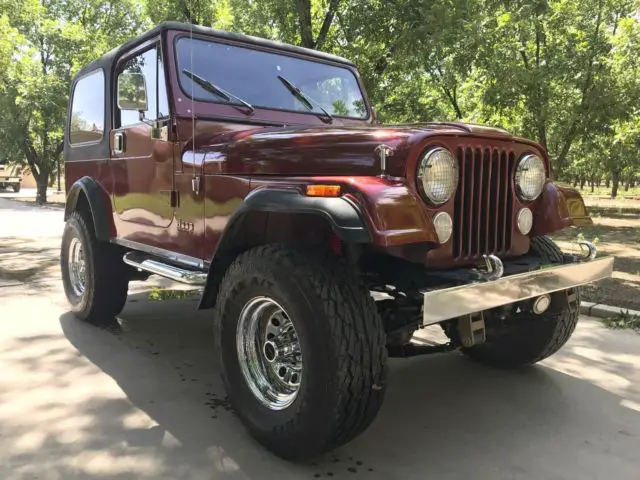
x=148 y=65
x=87 y=109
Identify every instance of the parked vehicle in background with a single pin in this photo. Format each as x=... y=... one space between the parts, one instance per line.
x=257 y=170
x=9 y=176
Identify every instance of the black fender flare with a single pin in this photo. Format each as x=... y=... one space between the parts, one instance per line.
x=344 y=216
x=100 y=212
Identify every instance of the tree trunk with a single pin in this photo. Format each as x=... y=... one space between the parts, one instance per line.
x=582 y=182
x=607 y=183
x=593 y=184
x=303 y=9
x=41 y=195
x=42 y=183
x=616 y=184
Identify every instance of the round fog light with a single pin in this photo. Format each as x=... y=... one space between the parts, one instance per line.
x=541 y=304
x=444 y=226
x=525 y=221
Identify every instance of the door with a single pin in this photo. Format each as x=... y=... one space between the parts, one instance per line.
x=141 y=156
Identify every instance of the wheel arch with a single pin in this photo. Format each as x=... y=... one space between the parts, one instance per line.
x=86 y=191
x=282 y=215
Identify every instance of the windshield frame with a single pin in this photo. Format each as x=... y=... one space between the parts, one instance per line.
x=367 y=118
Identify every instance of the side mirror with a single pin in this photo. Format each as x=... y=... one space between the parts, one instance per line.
x=132 y=92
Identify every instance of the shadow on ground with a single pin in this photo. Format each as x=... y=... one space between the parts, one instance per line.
x=25 y=260
x=160 y=411
x=444 y=416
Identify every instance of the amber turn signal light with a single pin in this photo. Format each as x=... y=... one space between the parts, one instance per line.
x=323 y=190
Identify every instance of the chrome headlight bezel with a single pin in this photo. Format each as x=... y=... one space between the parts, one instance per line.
x=426 y=184
x=528 y=161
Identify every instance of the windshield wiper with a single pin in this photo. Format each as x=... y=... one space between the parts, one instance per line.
x=308 y=102
x=212 y=88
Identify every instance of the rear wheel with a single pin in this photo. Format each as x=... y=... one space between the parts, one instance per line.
x=93 y=274
x=525 y=338
x=301 y=348
x=16 y=187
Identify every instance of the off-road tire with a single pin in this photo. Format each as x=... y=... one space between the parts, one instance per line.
x=106 y=280
x=342 y=341
x=16 y=187
x=526 y=338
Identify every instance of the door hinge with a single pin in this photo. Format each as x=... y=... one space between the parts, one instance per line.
x=195 y=185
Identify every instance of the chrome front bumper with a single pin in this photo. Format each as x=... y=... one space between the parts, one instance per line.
x=440 y=305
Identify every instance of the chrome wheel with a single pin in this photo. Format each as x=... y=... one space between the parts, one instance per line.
x=269 y=353
x=76 y=265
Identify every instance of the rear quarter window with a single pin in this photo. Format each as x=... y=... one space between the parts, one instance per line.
x=87 y=109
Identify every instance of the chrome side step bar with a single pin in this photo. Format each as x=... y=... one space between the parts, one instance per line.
x=151 y=264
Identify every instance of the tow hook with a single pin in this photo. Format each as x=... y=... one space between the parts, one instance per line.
x=494 y=269
x=589 y=250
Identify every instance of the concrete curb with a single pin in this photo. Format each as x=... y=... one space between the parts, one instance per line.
x=600 y=310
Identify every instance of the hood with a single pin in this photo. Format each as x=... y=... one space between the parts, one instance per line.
x=328 y=150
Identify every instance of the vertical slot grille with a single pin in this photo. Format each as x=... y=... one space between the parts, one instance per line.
x=484 y=202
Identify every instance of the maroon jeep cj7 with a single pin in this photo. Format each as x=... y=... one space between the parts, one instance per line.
x=322 y=240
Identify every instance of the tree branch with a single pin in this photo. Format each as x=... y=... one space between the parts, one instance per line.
x=451 y=94
x=583 y=107
x=326 y=23
x=523 y=54
x=188 y=14
x=537 y=44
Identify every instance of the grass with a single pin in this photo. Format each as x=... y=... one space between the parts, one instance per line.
x=623 y=321
x=604 y=192
x=161 y=294
x=615 y=231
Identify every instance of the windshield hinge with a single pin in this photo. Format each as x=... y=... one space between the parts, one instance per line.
x=195 y=184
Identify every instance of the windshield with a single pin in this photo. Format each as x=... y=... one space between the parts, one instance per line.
x=253 y=76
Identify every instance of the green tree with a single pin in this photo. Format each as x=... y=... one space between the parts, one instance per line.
x=51 y=40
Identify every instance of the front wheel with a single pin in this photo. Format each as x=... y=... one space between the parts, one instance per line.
x=525 y=338
x=302 y=350
x=16 y=187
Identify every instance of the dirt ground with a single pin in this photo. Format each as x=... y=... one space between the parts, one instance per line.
x=616 y=231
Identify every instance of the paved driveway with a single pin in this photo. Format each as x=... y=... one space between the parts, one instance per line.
x=141 y=398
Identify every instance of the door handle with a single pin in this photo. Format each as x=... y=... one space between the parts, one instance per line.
x=118 y=142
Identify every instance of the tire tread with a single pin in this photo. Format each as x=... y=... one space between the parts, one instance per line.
x=357 y=335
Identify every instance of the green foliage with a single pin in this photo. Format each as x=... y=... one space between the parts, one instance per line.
x=49 y=42
x=623 y=320
x=163 y=294
x=565 y=73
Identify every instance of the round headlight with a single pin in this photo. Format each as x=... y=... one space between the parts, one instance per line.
x=530 y=177
x=438 y=175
